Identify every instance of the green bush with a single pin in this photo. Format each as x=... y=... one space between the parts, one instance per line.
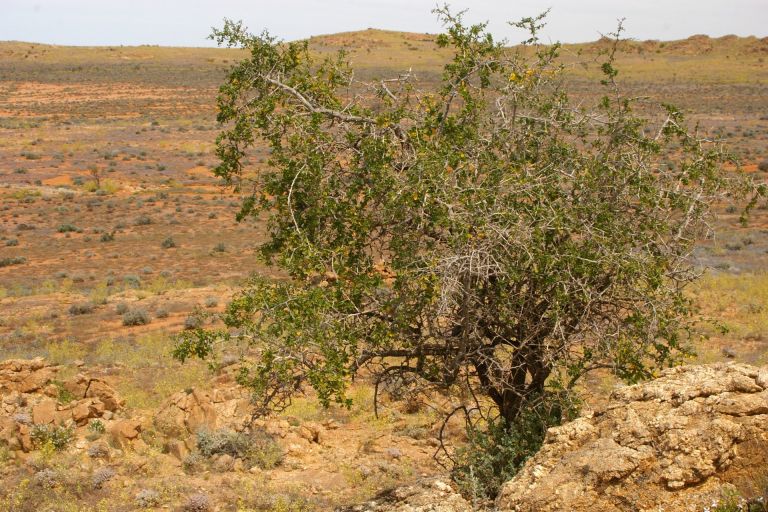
x=15 y=260
x=168 y=243
x=57 y=436
x=81 y=308
x=495 y=453
x=257 y=448
x=137 y=316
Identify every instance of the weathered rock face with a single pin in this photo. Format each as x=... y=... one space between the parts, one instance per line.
x=29 y=396
x=432 y=495
x=669 y=444
x=187 y=412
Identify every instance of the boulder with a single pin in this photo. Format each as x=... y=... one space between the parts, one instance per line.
x=122 y=432
x=430 y=495
x=668 y=444
x=25 y=375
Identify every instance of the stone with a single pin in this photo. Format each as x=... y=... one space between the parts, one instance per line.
x=427 y=495
x=671 y=444
x=122 y=432
x=44 y=412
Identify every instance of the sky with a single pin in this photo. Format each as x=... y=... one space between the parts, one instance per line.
x=188 y=22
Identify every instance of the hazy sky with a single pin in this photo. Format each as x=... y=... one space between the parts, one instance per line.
x=188 y=22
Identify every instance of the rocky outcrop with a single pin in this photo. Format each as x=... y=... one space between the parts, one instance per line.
x=30 y=396
x=187 y=412
x=668 y=444
x=431 y=495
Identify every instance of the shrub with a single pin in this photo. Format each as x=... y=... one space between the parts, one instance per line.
x=143 y=220
x=495 y=453
x=98 y=450
x=193 y=322
x=197 y=503
x=220 y=247
x=12 y=242
x=132 y=280
x=14 y=260
x=108 y=236
x=68 y=228
x=256 y=448
x=101 y=476
x=211 y=302
x=121 y=308
x=96 y=426
x=56 y=436
x=47 y=478
x=81 y=308
x=161 y=313
x=147 y=498
x=168 y=243
x=137 y=316
x=763 y=166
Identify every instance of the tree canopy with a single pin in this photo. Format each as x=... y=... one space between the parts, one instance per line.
x=489 y=235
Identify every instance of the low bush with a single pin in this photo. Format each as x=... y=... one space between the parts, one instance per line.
x=14 y=260
x=81 y=308
x=257 y=448
x=137 y=316
x=56 y=436
x=496 y=452
x=168 y=243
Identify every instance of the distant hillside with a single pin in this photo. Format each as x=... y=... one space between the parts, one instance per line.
x=699 y=58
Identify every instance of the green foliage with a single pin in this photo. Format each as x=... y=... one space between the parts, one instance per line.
x=489 y=234
x=256 y=448
x=55 y=436
x=168 y=243
x=497 y=451
x=14 y=260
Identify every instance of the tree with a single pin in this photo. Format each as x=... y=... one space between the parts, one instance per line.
x=488 y=235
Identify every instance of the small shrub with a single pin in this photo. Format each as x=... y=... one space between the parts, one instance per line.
x=168 y=243
x=197 y=503
x=220 y=247
x=68 y=228
x=56 y=436
x=12 y=242
x=108 y=236
x=496 y=452
x=192 y=463
x=14 y=260
x=257 y=449
x=121 y=308
x=137 y=316
x=47 y=478
x=101 y=476
x=147 y=498
x=763 y=166
x=132 y=280
x=161 y=313
x=81 y=308
x=211 y=302
x=193 y=322
x=143 y=220
x=98 y=450
x=96 y=426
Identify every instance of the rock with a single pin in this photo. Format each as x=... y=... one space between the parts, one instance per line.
x=671 y=444
x=312 y=432
x=431 y=495
x=122 y=432
x=25 y=375
x=44 y=412
x=186 y=413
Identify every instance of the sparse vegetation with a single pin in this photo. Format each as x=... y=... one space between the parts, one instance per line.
x=136 y=316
